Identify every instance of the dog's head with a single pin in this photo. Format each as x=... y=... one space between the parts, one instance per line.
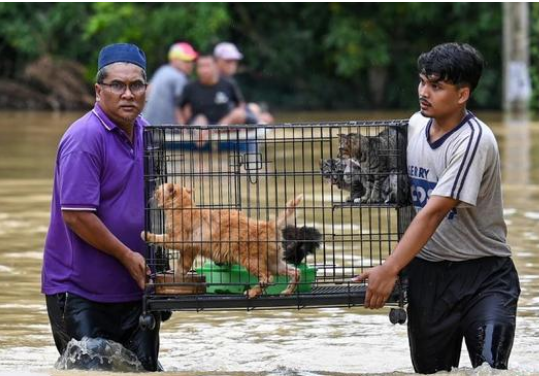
x=299 y=242
x=169 y=195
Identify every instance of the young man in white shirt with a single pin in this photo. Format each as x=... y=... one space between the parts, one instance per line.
x=462 y=282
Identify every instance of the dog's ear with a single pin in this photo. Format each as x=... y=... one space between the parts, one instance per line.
x=189 y=190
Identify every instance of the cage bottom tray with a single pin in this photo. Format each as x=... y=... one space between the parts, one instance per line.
x=235 y=279
x=344 y=295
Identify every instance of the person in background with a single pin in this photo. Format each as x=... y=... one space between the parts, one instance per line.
x=210 y=99
x=228 y=57
x=462 y=283
x=213 y=100
x=167 y=84
x=94 y=268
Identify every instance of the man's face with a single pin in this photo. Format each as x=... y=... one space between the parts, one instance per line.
x=227 y=67
x=184 y=66
x=206 y=70
x=438 y=98
x=123 y=93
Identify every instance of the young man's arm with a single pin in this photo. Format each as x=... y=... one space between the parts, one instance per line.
x=91 y=229
x=383 y=277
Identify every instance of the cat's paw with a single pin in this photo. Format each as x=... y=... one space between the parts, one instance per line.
x=148 y=237
x=391 y=200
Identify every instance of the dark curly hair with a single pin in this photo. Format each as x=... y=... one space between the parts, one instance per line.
x=459 y=64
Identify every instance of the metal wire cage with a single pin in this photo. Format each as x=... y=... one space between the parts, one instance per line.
x=240 y=183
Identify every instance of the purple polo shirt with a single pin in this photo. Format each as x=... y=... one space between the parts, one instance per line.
x=97 y=169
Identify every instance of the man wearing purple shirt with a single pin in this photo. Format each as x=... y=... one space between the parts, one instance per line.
x=94 y=268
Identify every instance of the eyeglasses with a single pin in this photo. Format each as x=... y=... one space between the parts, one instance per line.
x=119 y=87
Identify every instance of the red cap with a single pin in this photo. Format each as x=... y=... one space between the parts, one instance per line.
x=182 y=51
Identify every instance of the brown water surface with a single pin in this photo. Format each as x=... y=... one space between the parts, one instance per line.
x=307 y=342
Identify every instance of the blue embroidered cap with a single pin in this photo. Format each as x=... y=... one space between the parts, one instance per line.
x=121 y=53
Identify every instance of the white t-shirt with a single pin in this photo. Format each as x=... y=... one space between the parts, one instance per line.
x=465 y=165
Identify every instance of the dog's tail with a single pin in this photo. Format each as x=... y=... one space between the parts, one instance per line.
x=299 y=242
x=291 y=206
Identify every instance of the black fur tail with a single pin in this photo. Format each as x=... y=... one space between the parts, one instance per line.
x=299 y=242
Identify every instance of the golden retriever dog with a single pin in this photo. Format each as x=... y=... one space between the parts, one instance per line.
x=224 y=236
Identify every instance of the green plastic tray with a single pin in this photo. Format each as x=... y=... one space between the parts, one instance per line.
x=234 y=279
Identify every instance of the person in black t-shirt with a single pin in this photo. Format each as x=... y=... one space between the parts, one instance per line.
x=211 y=99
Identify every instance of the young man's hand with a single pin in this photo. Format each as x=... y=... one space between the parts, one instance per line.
x=381 y=283
x=383 y=277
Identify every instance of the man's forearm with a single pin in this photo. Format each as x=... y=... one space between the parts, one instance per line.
x=91 y=229
x=419 y=232
x=417 y=235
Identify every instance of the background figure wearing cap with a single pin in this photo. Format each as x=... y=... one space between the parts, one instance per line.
x=94 y=268
x=167 y=84
x=227 y=57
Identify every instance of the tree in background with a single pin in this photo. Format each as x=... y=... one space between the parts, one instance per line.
x=357 y=55
x=31 y=30
x=42 y=63
x=297 y=55
x=155 y=26
x=51 y=49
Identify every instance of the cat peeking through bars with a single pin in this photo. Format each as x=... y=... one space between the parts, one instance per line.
x=370 y=168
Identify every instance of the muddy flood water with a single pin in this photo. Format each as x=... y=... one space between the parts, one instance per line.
x=277 y=343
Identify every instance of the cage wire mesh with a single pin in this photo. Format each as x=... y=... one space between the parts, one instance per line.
x=350 y=179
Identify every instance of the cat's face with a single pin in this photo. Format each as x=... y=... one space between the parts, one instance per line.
x=332 y=170
x=349 y=145
x=170 y=195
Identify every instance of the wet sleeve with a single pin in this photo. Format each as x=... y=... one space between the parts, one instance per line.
x=79 y=174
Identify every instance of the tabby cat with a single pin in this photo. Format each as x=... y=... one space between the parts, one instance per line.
x=345 y=174
x=382 y=160
x=396 y=188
